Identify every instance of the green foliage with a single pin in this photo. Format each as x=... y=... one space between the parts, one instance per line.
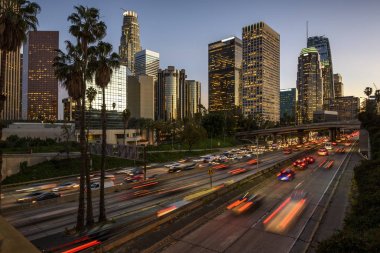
x=192 y=134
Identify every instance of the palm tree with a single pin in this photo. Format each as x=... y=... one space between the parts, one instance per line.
x=126 y=116
x=103 y=62
x=113 y=105
x=17 y=18
x=368 y=91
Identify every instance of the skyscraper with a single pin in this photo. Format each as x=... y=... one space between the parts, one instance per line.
x=130 y=39
x=10 y=77
x=193 y=97
x=322 y=44
x=347 y=107
x=261 y=72
x=170 y=94
x=224 y=70
x=309 y=85
x=39 y=84
x=338 y=85
x=140 y=96
x=288 y=105
x=116 y=91
x=147 y=62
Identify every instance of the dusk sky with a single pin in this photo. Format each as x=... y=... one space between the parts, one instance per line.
x=181 y=31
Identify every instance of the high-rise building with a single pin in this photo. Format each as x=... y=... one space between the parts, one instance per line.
x=309 y=85
x=224 y=70
x=192 y=97
x=169 y=94
x=288 y=105
x=69 y=109
x=348 y=107
x=338 y=85
x=322 y=44
x=39 y=84
x=10 y=77
x=130 y=39
x=115 y=93
x=261 y=72
x=140 y=94
x=147 y=62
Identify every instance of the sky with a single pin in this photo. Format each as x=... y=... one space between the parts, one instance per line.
x=180 y=30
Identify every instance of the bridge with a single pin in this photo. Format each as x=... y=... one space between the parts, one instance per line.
x=333 y=127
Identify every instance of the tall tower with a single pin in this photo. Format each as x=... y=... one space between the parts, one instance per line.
x=147 y=62
x=261 y=72
x=309 y=85
x=130 y=39
x=224 y=70
x=322 y=44
x=39 y=84
x=338 y=85
x=193 y=97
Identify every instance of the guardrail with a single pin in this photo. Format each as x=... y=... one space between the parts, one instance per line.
x=119 y=240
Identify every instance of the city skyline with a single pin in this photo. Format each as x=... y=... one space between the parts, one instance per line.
x=188 y=50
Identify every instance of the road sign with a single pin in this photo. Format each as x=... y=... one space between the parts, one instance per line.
x=210 y=171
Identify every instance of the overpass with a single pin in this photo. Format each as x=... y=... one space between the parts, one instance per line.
x=333 y=127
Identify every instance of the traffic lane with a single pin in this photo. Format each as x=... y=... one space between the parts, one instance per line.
x=211 y=235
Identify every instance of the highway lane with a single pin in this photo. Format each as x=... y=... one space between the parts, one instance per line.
x=246 y=233
x=44 y=221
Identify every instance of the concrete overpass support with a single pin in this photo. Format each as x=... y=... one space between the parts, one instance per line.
x=332 y=134
x=338 y=133
x=300 y=136
x=275 y=138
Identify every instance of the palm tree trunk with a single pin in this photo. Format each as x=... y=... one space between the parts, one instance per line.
x=80 y=215
x=102 y=208
x=124 y=134
x=90 y=215
x=2 y=101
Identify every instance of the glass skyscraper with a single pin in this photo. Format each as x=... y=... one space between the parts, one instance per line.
x=322 y=44
x=338 y=85
x=147 y=62
x=224 y=69
x=309 y=85
x=130 y=39
x=288 y=105
x=261 y=72
x=193 y=97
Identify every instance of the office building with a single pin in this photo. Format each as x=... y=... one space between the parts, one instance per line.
x=192 y=97
x=325 y=116
x=338 y=85
x=39 y=84
x=309 y=85
x=348 y=107
x=69 y=109
x=115 y=93
x=169 y=94
x=288 y=105
x=10 y=64
x=224 y=70
x=261 y=72
x=147 y=62
x=322 y=44
x=140 y=96
x=130 y=39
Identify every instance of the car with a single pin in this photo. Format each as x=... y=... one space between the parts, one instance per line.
x=300 y=163
x=237 y=171
x=134 y=178
x=245 y=203
x=286 y=175
x=47 y=195
x=107 y=183
x=323 y=152
x=287 y=151
x=310 y=159
x=65 y=186
x=30 y=197
x=328 y=145
x=252 y=162
x=334 y=143
x=38 y=187
x=123 y=171
x=169 y=165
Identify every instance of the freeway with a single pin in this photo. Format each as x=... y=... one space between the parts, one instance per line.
x=228 y=232
x=44 y=225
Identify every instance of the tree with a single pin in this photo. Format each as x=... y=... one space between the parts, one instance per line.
x=103 y=63
x=192 y=134
x=113 y=105
x=17 y=18
x=368 y=91
x=126 y=116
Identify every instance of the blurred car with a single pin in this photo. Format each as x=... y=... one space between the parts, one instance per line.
x=252 y=162
x=310 y=159
x=134 y=178
x=237 y=171
x=287 y=151
x=30 y=197
x=245 y=203
x=169 y=165
x=65 y=186
x=300 y=164
x=47 y=195
x=333 y=143
x=38 y=187
x=123 y=171
x=286 y=175
x=107 y=183
x=323 y=152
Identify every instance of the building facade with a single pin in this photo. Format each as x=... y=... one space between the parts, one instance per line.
x=348 y=107
x=116 y=91
x=288 y=105
x=192 y=97
x=10 y=64
x=261 y=72
x=224 y=74
x=140 y=96
x=322 y=44
x=130 y=39
x=147 y=62
x=39 y=84
x=338 y=85
x=309 y=85
x=169 y=94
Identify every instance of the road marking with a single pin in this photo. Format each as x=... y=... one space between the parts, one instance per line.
x=299 y=184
